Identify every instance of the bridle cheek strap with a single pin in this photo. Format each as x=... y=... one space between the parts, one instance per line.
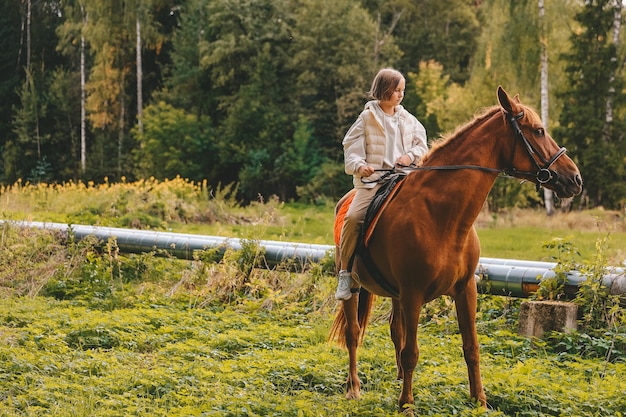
x=544 y=175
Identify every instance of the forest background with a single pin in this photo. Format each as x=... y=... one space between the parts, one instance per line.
x=259 y=93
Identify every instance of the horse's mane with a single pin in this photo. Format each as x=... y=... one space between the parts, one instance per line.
x=442 y=141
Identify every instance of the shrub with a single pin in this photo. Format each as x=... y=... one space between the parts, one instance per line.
x=553 y=288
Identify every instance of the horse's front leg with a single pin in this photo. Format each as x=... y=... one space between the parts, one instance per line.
x=409 y=354
x=352 y=332
x=397 y=333
x=465 y=302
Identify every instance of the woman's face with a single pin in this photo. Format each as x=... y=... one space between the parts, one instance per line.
x=397 y=95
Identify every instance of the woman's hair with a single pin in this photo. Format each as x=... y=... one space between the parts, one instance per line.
x=385 y=83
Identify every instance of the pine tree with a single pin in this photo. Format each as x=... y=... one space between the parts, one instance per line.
x=595 y=143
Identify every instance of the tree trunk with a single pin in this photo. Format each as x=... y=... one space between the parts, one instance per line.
x=19 y=51
x=382 y=38
x=139 y=80
x=548 y=195
x=617 y=24
x=83 y=100
x=28 y=30
x=120 y=137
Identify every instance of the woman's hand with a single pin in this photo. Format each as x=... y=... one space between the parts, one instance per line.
x=365 y=170
x=404 y=160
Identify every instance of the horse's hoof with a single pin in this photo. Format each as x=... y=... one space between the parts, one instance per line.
x=353 y=395
x=408 y=410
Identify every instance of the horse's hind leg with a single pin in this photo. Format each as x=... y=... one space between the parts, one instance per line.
x=397 y=333
x=352 y=333
x=465 y=302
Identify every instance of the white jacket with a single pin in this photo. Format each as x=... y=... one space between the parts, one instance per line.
x=365 y=141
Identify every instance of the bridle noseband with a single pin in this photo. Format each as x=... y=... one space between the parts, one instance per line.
x=544 y=175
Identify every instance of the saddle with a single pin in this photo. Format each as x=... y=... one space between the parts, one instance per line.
x=380 y=201
x=378 y=204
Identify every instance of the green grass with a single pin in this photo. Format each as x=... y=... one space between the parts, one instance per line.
x=283 y=222
x=168 y=360
x=86 y=332
x=527 y=243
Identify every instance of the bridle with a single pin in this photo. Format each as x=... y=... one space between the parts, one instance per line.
x=544 y=174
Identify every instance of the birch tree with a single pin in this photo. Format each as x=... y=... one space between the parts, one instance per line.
x=83 y=95
x=139 y=75
x=617 y=25
x=548 y=195
x=71 y=33
x=146 y=36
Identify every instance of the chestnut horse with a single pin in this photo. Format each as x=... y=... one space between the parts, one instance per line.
x=425 y=244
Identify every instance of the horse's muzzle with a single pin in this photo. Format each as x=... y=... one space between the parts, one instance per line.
x=568 y=186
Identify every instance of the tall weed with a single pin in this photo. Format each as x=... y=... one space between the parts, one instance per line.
x=601 y=317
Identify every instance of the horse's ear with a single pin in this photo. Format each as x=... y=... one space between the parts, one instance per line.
x=505 y=100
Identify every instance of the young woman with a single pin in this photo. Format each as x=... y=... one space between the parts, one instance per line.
x=384 y=136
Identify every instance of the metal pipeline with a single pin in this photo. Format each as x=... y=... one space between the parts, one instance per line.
x=519 y=278
x=510 y=277
x=182 y=245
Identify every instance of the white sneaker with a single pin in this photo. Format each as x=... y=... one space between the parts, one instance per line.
x=344 y=282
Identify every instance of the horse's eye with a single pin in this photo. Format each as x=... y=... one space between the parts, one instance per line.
x=540 y=132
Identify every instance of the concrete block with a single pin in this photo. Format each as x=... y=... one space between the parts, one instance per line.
x=539 y=317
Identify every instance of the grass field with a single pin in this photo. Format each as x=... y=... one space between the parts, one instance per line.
x=167 y=359
x=87 y=331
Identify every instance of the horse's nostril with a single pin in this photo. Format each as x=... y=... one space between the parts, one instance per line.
x=578 y=180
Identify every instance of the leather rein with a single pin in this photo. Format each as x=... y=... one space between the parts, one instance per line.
x=544 y=174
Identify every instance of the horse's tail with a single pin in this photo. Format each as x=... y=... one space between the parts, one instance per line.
x=338 y=329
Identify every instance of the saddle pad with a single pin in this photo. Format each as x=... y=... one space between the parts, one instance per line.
x=378 y=205
x=341 y=214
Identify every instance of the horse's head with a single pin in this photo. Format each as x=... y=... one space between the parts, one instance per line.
x=540 y=160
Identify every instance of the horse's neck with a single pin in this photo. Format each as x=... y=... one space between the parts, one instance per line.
x=479 y=145
x=463 y=191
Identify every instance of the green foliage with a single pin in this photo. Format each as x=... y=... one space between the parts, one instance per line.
x=446 y=34
x=601 y=315
x=444 y=105
x=91 y=339
x=27 y=120
x=174 y=143
x=609 y=346
x=510 y=192
x=299 y=161
x=12 y=77
x=162 y=359
x=32 y=259
x=261 y=93
x=244 y=52
x=328 y=182
x=553 y=288
x=336 y=52
x=586 y=127
x=41 y=171
x=600 y=309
